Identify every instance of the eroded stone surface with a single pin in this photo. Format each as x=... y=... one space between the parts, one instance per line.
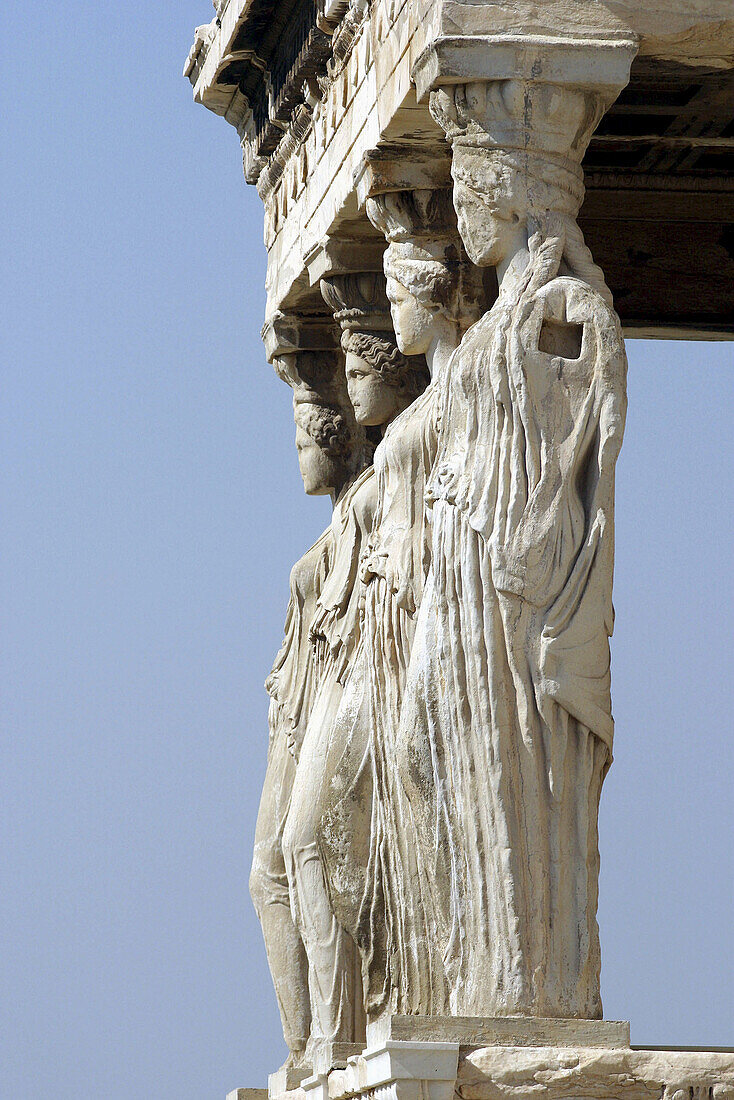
x=408 y=1069
x=491 y=1074
x=426 y=861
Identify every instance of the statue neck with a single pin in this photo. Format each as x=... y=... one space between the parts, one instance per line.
x=515 y=260
x=338 y=492
x=445 y=340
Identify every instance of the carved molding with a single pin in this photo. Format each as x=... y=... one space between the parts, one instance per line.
x=600 y=64
x=402 y=167
x=285 y=333
x=342 y=255
x=301 y=153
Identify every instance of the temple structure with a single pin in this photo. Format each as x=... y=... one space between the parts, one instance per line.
x=468 y=204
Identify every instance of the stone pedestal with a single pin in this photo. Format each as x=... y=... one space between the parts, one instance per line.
x=392 y=1070
x=500 y=1031
x=424 y=1058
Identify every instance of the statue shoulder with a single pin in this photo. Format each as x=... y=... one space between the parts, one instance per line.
x=306 y=569
x=574 y=320
x=356 y=506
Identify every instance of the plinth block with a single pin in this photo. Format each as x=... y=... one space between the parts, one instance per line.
x=285 y=1080
x=335 y=1056
x=511 y=1031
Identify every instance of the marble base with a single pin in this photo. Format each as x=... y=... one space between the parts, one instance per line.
x=430 y=1058
x=335 y=1056
x=285 y=1081
x=520 y=1031
x=632 y=1073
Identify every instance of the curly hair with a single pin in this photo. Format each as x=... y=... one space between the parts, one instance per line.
x=328 y=427
x=382 y=355
x=425 y=253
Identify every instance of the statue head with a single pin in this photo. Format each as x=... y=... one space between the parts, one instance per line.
x=325 y=444
x=381 y=381
x=428 y=274
x=517 y=150
x=331 y=447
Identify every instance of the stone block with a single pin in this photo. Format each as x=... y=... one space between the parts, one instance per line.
x=501 y=1031
x=285 y=1080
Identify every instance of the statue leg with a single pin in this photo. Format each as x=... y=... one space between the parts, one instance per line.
x=270 y=893
x=334 y=975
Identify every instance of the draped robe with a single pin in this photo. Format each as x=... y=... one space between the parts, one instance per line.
x=295 y=675
x=292 y=686
x=359 y=835
x=506 y=729
x=333 y=971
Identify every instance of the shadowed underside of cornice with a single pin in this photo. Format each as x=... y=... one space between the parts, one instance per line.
x=659 y=166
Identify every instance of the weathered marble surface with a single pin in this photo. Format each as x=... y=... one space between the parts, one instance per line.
x=426 y=860
x=560 y=1071
x=520 y=1059
x=491 y=1074
x=332 y=453
x=505 y=1059
x=366 y=98
x=438 y=820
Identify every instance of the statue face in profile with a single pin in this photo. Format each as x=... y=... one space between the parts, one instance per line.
x=375 y=401
x=328 y=442
x=434 y=293
x=323 y=447
x=381 y=381
x=413 y=321
x=487 y=216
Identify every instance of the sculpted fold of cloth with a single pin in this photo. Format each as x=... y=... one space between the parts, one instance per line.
x=334 y=984
x=291 y=686
x=506 y=729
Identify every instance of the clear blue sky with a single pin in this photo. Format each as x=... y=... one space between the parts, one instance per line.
x=151 y=509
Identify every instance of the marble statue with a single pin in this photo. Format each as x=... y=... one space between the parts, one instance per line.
x=440 y=834
x=426 y=855
x=331 y=452
x=435 y=293
x=381 y=382
x=506 y=731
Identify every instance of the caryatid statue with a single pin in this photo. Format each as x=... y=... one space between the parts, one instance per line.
x=332 y=449
x=435 y=293
x=506 y=725
x=381 y=382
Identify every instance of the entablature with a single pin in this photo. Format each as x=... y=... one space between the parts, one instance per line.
x=313 y=87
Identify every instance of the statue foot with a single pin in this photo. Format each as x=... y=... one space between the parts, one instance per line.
x=297 y=1060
